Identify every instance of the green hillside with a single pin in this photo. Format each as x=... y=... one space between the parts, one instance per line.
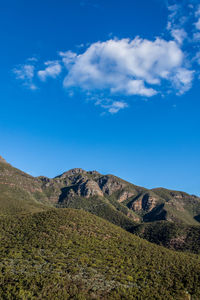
x=72 y=254
x=19 y=192
x=181 y=237
x=165 y=217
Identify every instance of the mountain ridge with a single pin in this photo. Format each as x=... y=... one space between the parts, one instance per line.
x=129 y=206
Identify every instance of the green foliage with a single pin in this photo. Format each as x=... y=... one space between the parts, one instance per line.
x=72 y=254
x=177 y=236
x=102 y=208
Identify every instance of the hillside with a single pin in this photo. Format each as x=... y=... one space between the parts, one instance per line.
x=166 y=217
x=19 y=192
x=72 y=254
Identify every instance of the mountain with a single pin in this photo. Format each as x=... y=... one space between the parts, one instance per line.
x=166 y=217
x=57 y=240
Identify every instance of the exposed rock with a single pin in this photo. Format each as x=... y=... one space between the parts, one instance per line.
x=137 y=205
x=177 y=195
x=73 y=172
x=146 y=202
x=110 y=184
x=125 y=195
x=89 y=188
x=93 y=172
x=71 y=193
x=44 y=179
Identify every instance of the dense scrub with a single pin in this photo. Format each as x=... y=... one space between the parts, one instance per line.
x=177 y=236
x=72 y=254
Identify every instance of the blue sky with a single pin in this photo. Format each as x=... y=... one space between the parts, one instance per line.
x=106 y=85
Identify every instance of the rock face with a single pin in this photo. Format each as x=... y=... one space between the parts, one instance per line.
x=72 y=172
x=88 y=189
x=125 y=195
x=109 y=184
x=145 y=202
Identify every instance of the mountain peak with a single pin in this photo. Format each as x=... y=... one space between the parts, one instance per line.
x=72 y=172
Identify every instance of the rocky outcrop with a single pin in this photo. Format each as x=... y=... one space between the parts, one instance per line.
x=88 y=189
x=137 y=205
x=72 y=172
x=124 y=196
x=109 y=184
x=177 y=195
x=145 y=202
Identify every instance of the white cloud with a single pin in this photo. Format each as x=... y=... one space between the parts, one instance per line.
x=111 y=106
x=179 y=35
x=177 y=21
x=183 y=80
x=197 y=58
x=197 y=24
x=196 y=36
x=53 y=69
x=197 y=12
x=134 y=87
x=32 y=59
x=68 y=57
x=116 y=106
x=25 y=73
x=130 y=67
x=173 y=10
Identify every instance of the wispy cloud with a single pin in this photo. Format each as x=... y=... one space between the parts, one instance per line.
x=197 y=24
x=116 y=106
x=25 y=74
x=67 y=57
x=197 y=58
x=52 y=70
x=109 y=105
x=179 y=35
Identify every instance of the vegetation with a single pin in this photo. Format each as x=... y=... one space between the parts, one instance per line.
x=177 y=236
x=72 y=254
x=102 y=208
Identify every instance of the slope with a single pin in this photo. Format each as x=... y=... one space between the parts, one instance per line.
x=19 y=192
x=72 y=254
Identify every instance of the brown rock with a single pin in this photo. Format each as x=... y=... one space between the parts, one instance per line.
x=146 y=202
x=89 y=188
x=110 y=184
x=125 y=195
